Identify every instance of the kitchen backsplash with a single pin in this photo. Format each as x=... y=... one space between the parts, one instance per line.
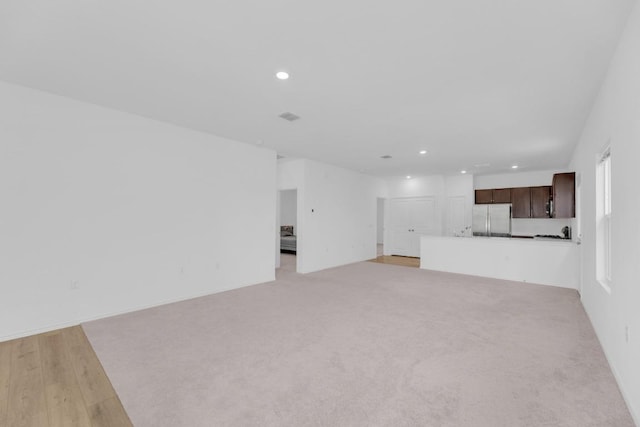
x=531 y=227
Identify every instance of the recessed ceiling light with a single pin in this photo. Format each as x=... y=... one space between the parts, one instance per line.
x=282 y=75
x=423 y=151
x=408 y=176
x=463 y=171
x=514 y=167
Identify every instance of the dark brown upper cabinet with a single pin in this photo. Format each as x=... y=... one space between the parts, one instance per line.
x=521 y=202
x=555 y=201
x=564 y=195
x=484 y=197
x=496 y=195
x=540 y=202
x=502 y=195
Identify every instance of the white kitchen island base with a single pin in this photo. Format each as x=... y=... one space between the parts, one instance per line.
x=545 y=262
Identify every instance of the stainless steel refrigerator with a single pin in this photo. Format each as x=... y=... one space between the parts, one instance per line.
x=492 y=220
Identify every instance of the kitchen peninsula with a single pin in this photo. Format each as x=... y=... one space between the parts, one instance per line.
x=545 y=262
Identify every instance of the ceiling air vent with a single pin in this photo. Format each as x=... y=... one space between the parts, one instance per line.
x=386 y=156
x=289 y=116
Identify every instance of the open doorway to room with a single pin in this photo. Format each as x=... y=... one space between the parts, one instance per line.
x=288 y=230
x=380 y=227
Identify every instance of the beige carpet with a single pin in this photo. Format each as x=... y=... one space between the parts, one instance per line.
x=363 y=345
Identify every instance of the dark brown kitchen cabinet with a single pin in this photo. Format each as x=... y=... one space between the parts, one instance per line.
x=564 y=195
x=484 y=197
x=502 y=195
x=555 y=201
x=496 y=195
x=521 y=202
x=540 y=201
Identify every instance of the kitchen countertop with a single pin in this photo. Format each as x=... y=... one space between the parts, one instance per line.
x=520 y=238
x=542 y=261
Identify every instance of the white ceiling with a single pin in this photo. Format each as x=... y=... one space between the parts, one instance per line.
x=472 y=81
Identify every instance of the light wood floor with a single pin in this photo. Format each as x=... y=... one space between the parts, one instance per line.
x=397 y=260
x=55 y=379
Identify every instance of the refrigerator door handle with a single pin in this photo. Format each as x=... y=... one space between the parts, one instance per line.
x=489 y=223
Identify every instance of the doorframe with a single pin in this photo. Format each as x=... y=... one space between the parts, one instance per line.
x=296 y=230
x=385 y=217
x=577 y=230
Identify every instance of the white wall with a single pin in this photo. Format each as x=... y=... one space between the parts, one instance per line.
x=515 y=179
x=105 y=212
x=525 y=226
x=422 y=186
x=616 y=117
x=289 y=208
x=336 y=213
x=380 y=221
x=340 y=216
x=533 y=226
x=458 y=186
x=290 y=174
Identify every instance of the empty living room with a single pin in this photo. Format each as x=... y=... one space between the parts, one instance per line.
x=192 y=194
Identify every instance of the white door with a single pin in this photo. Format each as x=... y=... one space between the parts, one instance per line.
x=409 y=219
x=423 y=221
x=456 y=216
x=400 y=222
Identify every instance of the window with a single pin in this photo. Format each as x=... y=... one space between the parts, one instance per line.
x=603 y=219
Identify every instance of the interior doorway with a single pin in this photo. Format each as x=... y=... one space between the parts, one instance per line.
x=384 y=237
x=380 y=227
x=288 y=231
